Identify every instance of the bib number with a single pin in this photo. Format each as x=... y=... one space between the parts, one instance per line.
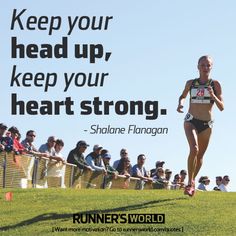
x=200 y=92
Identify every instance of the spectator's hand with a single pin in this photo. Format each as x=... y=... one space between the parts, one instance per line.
x=166 y=182
x=127 y=175
x=2 y=147
x=59 y=159
x=114 y=175
x=89 y=168
x=149 y=179
x=46 y=155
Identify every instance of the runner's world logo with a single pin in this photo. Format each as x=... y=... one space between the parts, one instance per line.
x=118 y=218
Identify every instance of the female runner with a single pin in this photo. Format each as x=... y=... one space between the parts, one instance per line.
x=204 y=92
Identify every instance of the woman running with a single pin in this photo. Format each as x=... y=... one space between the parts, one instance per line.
x=204 y=92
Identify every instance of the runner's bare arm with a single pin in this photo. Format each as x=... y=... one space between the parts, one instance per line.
x=217 y=96
x=183 y=96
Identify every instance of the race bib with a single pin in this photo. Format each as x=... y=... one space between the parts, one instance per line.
x=188 y=117
x=200 y=95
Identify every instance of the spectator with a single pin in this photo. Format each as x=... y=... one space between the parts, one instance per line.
x=48 y=151
x=58 y=147
x=6 y=143
x=49 y=146
x=224 y=185
x=168 y=174
x=204 y=181
x=123 y=155
x=124 y=167
x=111 y=172
x=18 y=148
x=3 y=129
x=159 y=179
x=106 y=157
x=140 y=172
x=55 y=169
x=19 y=136
x=8 y=134
x=28 y=142
x=183 y=174
x=158 y=164
x=218 y=183
x=76 y=156
x=94 y=159
x=104 y=151
x=176 y=182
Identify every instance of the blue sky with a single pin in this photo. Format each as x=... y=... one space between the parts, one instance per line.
x=155 y=46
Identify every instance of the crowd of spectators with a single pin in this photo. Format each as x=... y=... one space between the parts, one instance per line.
x=99 y=160
x=221 y=183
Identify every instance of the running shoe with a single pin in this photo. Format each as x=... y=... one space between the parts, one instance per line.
x=189 y=190
x=193 y=191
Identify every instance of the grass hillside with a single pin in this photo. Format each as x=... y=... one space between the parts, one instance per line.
x=40 y=211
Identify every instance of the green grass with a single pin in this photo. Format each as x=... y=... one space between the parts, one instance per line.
x=36 y=211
